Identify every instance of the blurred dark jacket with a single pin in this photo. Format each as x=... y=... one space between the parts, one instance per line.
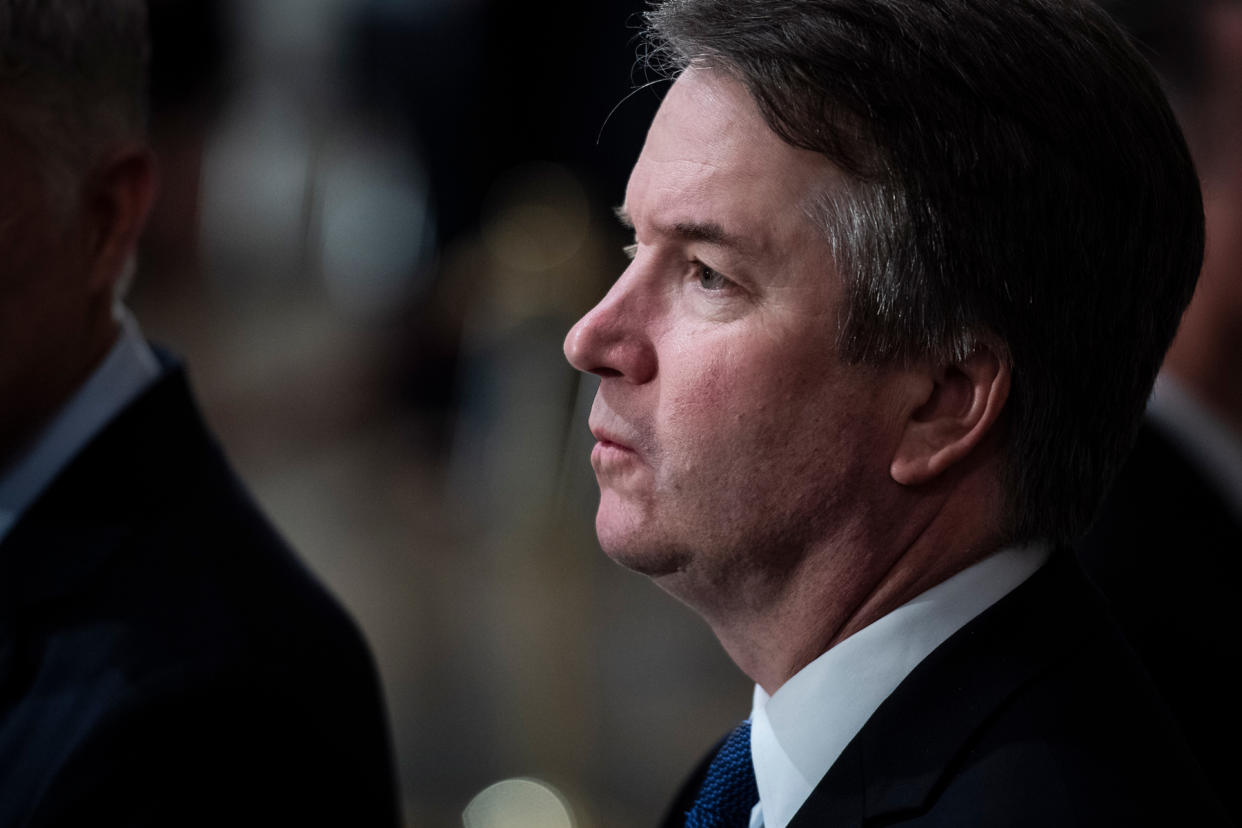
x=1167 y=552
x=165 y=659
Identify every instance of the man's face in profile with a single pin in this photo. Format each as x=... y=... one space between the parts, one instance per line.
x=730 y=435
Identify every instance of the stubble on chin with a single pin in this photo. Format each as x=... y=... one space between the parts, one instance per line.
x=641 y=555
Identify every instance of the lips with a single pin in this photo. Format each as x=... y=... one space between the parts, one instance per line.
x=609 y=440
x=613 y=457
x=619 y=447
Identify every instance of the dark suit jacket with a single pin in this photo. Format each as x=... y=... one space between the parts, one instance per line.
x=1033 y=714
x=165 y=659
x=1167 y=552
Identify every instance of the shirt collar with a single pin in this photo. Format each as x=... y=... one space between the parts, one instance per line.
x=127 y=370
x=799 y=731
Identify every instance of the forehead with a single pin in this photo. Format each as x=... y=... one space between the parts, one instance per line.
x=711 y=159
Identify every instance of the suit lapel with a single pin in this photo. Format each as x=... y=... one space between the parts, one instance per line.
x=839 y=800
x=908 y=747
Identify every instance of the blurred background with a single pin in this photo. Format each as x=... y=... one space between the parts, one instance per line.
x=379 y=219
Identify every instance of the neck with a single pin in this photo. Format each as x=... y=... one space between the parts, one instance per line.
x=836 y=592
x=31 y=404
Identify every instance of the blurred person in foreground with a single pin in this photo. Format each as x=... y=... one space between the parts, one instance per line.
x=1166 y=547
x=164 y=658
x=903 y=276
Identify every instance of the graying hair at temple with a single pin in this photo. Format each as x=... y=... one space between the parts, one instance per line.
x=1015 y=177
x=73 y=77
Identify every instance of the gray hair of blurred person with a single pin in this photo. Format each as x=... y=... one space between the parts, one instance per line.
x=1015 y=179
x=73 y=82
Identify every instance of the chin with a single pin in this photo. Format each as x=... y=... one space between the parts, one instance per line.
x=631 y=548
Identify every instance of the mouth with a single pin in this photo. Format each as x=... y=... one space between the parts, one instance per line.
x=609 y=440
x=620 y=448
x=612 y=452
x=613 y=445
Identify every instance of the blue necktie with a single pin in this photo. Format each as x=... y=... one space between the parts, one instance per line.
x=728 y=792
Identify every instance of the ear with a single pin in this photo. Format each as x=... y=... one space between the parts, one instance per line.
x=956 y=408
x=118 y=198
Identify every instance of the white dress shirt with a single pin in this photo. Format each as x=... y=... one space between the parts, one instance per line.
x=128 y=369
x=1208 y=441
x=797 y=733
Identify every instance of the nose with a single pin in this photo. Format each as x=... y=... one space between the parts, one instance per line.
x=613 y=339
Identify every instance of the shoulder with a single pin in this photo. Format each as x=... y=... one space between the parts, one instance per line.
x=196 y=568
x=180 y=635
x=1164 y=551
x=1085 y=743
x=1035 y=713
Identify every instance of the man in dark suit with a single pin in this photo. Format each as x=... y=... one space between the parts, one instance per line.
x=902 y=278
x=164 y=658
x=1166 y=547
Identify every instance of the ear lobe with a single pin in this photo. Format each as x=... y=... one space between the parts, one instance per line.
x=964 y=402
x=118 y=199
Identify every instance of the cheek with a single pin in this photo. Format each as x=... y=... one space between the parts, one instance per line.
x=695 y=407
x=725 y=409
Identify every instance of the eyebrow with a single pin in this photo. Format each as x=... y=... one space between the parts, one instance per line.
x=708 y=232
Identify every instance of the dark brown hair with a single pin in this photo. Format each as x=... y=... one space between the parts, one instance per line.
x=1016 y=177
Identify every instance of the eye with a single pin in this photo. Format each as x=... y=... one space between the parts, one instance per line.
x=710 y=279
